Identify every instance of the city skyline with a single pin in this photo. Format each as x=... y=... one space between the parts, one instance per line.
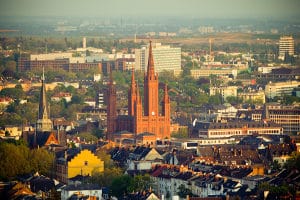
x=243 y=9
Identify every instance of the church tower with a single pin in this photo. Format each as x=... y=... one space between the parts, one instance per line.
x=43 y=123
x=111 y=108
x=141 y=118
x=150 y=88
x=132 y=95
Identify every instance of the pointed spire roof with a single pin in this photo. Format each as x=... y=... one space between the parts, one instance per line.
x=166 y=95
x=150 y=68
x=132 y=76
x=138 y=93
x=43 y=106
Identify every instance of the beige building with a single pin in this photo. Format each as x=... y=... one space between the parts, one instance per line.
x=286 y=45
x=196 y=73
x=257 y=96
x=225 y=91
x=235 y=128
x=280 y=88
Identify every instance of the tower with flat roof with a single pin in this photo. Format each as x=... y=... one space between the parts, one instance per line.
x=286 y=46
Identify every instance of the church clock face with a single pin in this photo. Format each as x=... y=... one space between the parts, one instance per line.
x=153 y=113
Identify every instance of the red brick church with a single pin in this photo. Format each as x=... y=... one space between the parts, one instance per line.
x=140 y=119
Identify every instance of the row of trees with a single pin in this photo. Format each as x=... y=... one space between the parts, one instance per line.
x=17 y=159
x=49 y=44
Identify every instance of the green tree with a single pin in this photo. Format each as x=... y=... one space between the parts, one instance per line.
x=103 y=155
x=140 y=183
x=17 y=159
x=41 y=161
x=182 y=191
x=14 y=93
x=7 y=118
x=77 y=99
x=120 y=185
x=106 y=177
x=88 y=137
x=215 y=99
x=233 y=100
x=182 y=133
x=293 y=162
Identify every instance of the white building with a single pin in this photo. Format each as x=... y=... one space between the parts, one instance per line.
x=225 y=91
x=280 y=88
x=165 y=57
x=81 y=190
x=286 y=45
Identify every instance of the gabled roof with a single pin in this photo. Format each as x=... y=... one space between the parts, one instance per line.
x=46 y=138
x=41 y=183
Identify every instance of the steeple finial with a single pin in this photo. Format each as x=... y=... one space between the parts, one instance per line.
x=150 y=60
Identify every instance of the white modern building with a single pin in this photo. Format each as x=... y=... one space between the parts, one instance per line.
x=280 y=88
x=286 y=45
x=165 y=57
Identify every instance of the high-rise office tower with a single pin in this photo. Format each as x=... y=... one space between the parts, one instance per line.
x=286 y=46
x=165 y=57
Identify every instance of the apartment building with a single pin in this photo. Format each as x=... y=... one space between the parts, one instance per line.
x=280 y=89
x=234 y=128
x=165 y=57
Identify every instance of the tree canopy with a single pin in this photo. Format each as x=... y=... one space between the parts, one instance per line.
x=18 y=159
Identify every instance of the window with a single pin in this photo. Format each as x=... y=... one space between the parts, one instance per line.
x=86 y=163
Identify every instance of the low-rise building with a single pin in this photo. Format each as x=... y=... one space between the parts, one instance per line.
x=286 y=116
x=82 y=191
x=76 y=162
x=233 y=128
x=280 y=89
x=255 y=96
x=62 y=95
x=224 y=91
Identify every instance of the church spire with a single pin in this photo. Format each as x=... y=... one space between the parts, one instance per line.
x=166 y=95
x=151 y=88
x=44 y=123
x=150 y=67
x=132 y=95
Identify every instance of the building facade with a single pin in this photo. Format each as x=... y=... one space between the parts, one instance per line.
x=166 y=58
x=224 y=91
x=140 y=120
x=286 y=46
x=73 y=163
x=280 y=89
x=235 y=128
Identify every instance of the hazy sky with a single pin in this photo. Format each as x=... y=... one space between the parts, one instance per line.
x=195 y=8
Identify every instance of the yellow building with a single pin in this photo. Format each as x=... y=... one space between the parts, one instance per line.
x=257 y=96
x=82 y=162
